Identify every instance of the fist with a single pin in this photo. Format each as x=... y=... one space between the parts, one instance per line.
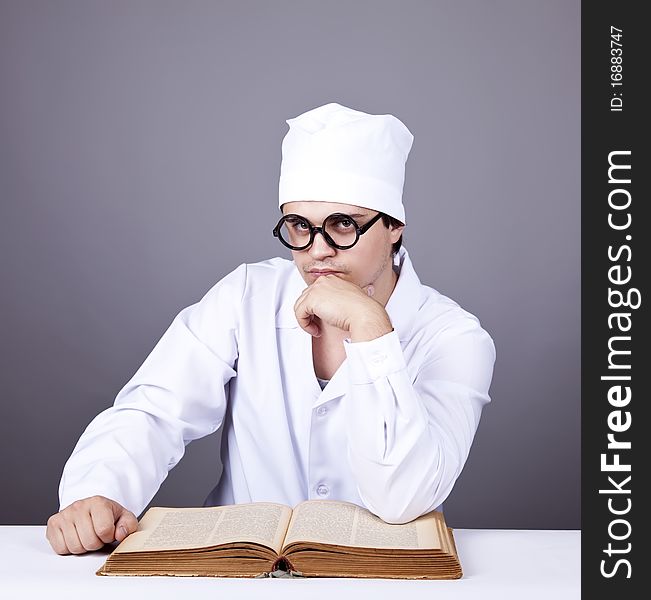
x=343 y=305
x=89 y=524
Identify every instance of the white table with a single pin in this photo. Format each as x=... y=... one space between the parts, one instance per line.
x=500 y=564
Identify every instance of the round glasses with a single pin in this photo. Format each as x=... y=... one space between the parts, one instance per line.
x=338 y=230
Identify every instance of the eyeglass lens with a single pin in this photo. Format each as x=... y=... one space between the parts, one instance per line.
x=296 y=231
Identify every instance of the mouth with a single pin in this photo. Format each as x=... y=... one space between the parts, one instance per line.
x=318 y=273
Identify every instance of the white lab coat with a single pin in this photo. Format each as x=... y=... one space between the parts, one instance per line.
x=391 y=431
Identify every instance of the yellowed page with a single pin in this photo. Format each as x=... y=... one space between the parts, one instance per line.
x=346 y=524
x=181 y=528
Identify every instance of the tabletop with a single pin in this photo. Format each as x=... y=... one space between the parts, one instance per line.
x=504 y=564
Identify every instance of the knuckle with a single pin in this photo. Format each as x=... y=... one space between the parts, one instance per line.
x=52 y=521
x=68 y=516
x=104 y=530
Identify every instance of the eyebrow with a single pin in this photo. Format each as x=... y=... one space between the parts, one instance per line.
x=353 y=215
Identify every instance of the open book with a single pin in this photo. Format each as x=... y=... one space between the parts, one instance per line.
x=319 y=538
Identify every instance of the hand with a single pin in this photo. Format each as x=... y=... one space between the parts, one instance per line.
x=89 y=524
x=344 y=305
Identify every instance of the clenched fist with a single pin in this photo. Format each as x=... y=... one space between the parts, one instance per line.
x=344 y=305
x=89 y=524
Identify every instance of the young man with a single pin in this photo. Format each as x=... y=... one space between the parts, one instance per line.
x=338 y=375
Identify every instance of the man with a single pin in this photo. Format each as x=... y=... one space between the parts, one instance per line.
x=335 y=376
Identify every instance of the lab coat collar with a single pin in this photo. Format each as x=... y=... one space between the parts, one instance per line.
x=406 y=298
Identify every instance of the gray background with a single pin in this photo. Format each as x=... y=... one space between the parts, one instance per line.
x=137 y=137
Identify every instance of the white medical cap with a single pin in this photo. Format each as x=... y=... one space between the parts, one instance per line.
x=336 y=154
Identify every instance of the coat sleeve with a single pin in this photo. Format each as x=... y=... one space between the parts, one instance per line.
x=409 y=435
x=176 y=396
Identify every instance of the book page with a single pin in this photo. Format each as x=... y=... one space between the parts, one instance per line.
x=346 y=524
x=181 y=528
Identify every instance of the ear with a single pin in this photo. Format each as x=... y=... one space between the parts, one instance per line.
x=395 y=233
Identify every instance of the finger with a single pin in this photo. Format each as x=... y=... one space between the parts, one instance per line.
x=306 y=317
x=86 y=531
x=126 y=525
x=58 y=542
x=313 y=328
x=307 y=322
x=54 y=535
x=71 y=538
x=301 y=298
x=103 y=521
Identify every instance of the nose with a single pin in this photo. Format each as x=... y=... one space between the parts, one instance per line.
x=320 y=248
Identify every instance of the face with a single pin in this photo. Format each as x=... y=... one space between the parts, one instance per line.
x=367 y=262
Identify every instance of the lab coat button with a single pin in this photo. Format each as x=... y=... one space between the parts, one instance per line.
x=322 y=411
x=323 y=490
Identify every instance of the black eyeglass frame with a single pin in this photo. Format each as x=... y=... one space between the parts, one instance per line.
x=359 y=231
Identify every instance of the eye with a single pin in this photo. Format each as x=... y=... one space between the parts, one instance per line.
x=343 y=223
x=298 y=224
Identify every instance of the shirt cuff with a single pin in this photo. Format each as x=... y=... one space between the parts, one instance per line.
x=369 y=361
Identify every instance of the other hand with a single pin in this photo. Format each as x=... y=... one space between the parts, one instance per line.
x=88 y=524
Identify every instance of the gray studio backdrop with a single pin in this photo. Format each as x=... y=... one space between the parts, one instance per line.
x=139 y=141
